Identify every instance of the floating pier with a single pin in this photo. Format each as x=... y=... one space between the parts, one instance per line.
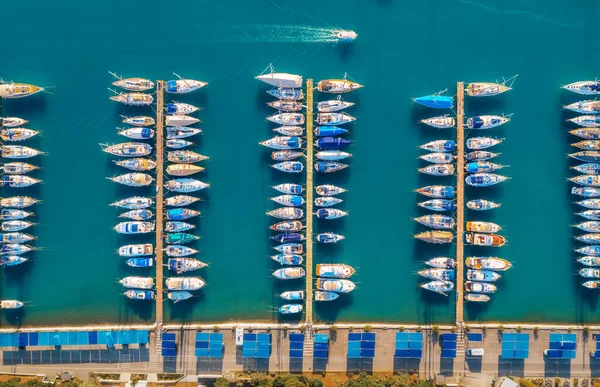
x=460 y=200
x=309 y=200
x=160 y=143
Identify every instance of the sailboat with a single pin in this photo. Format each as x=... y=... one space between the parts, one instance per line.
x=440 y=146
x=488 y=89
x=185 y=157
x=288 y=188
x=482 y=167
x=584 y=107
x=184 y=264
x=133 y=203
x=286 y=93
x=484 y=179
x=285 y=155
x=137 y=164
x=17 y=134
x=289 y=130
x=132 y=99
x=437 y=158
x=436 y=237
x=486 y=121
x=132 y=84
x=180 y=238
x=128 y=149
x=440 y=122
x=17 y=168
x=441 y=262
x=135 y=227
x=586 y=133
x=137 y=282
x=139 y=120
x=18 y=90
x=337 y=86
x=178 y=226
x=437 y=191
x=334 y=270
x=329 y=237
x=290 y=248
x=478 y=143
x=17 y=181
x=183 y=169
x=286 y=213
x=137 y=214
x=288 y=259
x=11 y=122
x=183 y=86
x=287 y=226
x=135 y=179
x=329 y=131
x=329 y=190
x=289 y=200
x=438 y=205
x=477 y=297
x=137 y=133
x=280 y=79
x=185 y=283
x=289 y=273
x=333 y=105
x=584 y=87
x=18 y=202
x=180 y=108
x=180 y=200
x=18 y=152
x=185 y=185
x=287 y=119
x=436 y=101
x=481 y=205
x=441 y=287
x=334 y=118
x=590 y=121
x=179 y=251
x=327 y=201
x=437 y=221
x=437 y=274
x=283 y=142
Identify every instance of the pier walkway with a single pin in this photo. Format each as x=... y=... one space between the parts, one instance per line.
x=460 y=200
x=160 y=142
x=309 y=201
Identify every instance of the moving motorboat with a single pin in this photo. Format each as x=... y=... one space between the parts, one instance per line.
x=344 y=36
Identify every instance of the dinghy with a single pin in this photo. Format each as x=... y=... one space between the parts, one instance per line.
x=289 y=130
x=137 y=164
x=329 y=237
x=289 y=166
x=334 y=118
x=435 y=237
x=183 y=169
x=180 y=108
x=584 y=107
x=135 y=179
x=178 y=143
x=17 y=181
x=140 y=262
x=281 y=79
x=180 y=200
x=128 y=149
x=179 y=296
x=329 y=190
x=288 y=237
x=16 y=225
x=480 y=155
x=11 y=122
x=337 y=86
x=133 y=203
x=185 y=185
x=289 y=273
x=287 y=226
x=290 y=248
x=589 y=250
x=183 y=86
x=589 y=261
x=138 y=282
x=436 y=101
x=287 y=119
x=292 y=295
x=588 y=168
x=11 y=304
x=438 y=158
x=437 y=274
x=329 y=131
x=17 y=134
x=18 y=152
x=593 y=238
x=584 y=87
x=590 y=214
x=586 y=133
x=482 y=275
x=288 y=188
x=441 y=287
x=179 y=251
x=480 y=287
x=135 y=227
x=588 y=192
x=440 y=122
x=441 y=262
x=137 y=214
x=15 y=249
x=333 y=105
x=484 y=179
x=475 y=297
x=488 y=89
x=286 y=106
x=286 y=94
x=18 y=202
x=335 y=285
x=180 y=238
x=485 y=239
x=478 y=143
x=327 y=201
x=283 y=143
x=437 y=221
x=184 y=264
x=176 y=132
x=185 y=283
x=139 y=121
x=17 y=168
x=587 y=180
x=438 y=205
x=290 y=309
x=437 y=191
x=288 y=259
x=329 y=166
x=289 y=200
x=287 y=213
x=140 y=133
x=487 y=263
x=143 y=295
x=16 y=237
x=439 y=146
x=325 y=296
x=133 y=99
x=481 y=205
x=133 y=84
x=486 y=122
x=438 y=170
x=180 y=213
x=593 y=204
x=484 y=227
x=285 y=155
x=138 y=250
x=482 y=167
x=185 y=157
x=178 y=226
x=330 y=213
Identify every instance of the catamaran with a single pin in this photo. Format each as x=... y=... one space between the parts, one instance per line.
x=139 y=120
x=337 y=86
x=17 y=134
x=584 y=87
x=486 y=122
x=18 y=90
x=440 y=122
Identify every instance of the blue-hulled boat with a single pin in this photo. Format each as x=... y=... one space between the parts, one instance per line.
x=288 y=259
x=180 y=238
x=437 y=191
x=484 y=179
x=180 y=213
x=439 y=146
x=289 y=166
x=588 y=192
x=329 y=131
x=588 y=168
x=292 y=295
x=288 y=237
x=329 y=166
x=436 y=101
x=332 y=143
x=438 y=205
x=12 y=260
x=140 y=262
x=289 y=188
x=136 y=294
x=180 y=295
x=289 y=200
x=586 y=156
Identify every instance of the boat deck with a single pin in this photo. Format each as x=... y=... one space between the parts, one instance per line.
x=309 y=200
x=160 y=142
x=460 y=199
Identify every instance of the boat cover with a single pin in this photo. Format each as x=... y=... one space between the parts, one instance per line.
x=171 y=86
x=146 y=133
x=171 y=107
x=477 y=122
x=330 y=131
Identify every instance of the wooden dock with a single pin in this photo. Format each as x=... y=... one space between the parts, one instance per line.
x=309 y=200
x=160 y=144
x=460 y=200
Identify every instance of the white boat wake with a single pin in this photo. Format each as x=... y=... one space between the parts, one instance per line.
x=278 y=33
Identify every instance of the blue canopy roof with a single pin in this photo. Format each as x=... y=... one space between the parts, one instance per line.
x=171 y=108
x=436 y=101
x=171 y=86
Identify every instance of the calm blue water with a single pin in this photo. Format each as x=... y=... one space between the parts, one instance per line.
x=404 y=49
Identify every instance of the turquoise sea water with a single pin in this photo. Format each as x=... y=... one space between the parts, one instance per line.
x=405 y=49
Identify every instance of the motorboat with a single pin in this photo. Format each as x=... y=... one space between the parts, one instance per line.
x=329 y=237
x=286 y=94
x=590 y=121
x=16 y=225
x=183 y=86
x=16 y=237
x=584 y=107
x=135 y=227
x=593 y=204
x=288 y=237
x=437 y=221
x=137 y=164
x=178 y=143
x=142 y=295
x=293 y=295
x=482 y=167
x=179 y=251
x=344 y=36
x=588 y=272
x=137 y=282
x=175 y=132
x=183 y=169
x=337 y=86
x=435 y=237
x=180 y=120
x=478 y=143
x=587 y=180
x=325 y=296
x=177 y=226
x=439 y=146
x=584 y=87
x=329 y=131
x=18 y=152
x=133 y=203
x=485 y=239
x=441 y=262
x=180 y=238
x=183 y=264
x=136 y=250
x=441 y=287
x=587 y=144
x=133 y=84
x=327 y=201
x=290 y=248
x=281 y=79
x=17 y=181
x=440 y=122
x=185 y=283
x=288 y=188
x=12 y=122
x=288 y=259
x=178 y=296
x=11 y=304
x=438 y=170
x=329 y=166
x=185 y=157
x=289 y=166
x=586 y=133
x=591 y=284
x=133 y=99
x=437 y=158
x=139 y=120
x=138 y=133
x=140 y=262
x=135 y=179
x=330 y=213
x=436 y=101
x=180 y=200
x=438 y=205
x=290 y=308
x=332 y=155
x=437 y=191
x=332 y=143
x=18 y=90
x=286 y=106
x=287 y=273
x=484 y=227
x=289 y=130
x=335 y=285
x=333 y=105
x=590 y=214
x=185 y=185
x=477 y=297
x=592 y=238
x=487 y=89
x=480 y=155
x=285 y=155
x=593 y=251
x=437 y=274
x=18 y=202
x=289 y=200
x=482 y=275
x=17 y=168
x=128 y=149
x=17 y=134
x=334 y=118
x=588 y=168
x=486 y=122
x=283 y=142
x=589 y=261
x=329 y=190
x=12 y=260
x=484 y=179
x=287 y=226
x=287 y=213
x=15 y=249
x=180 y=108
x=137 y=214
x=588 y=192
x=180 y=213
x=480 y=287
x=586 y=156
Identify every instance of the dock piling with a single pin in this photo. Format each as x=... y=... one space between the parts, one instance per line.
x=460 y=199
x=309 y=201
x=160 y=121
